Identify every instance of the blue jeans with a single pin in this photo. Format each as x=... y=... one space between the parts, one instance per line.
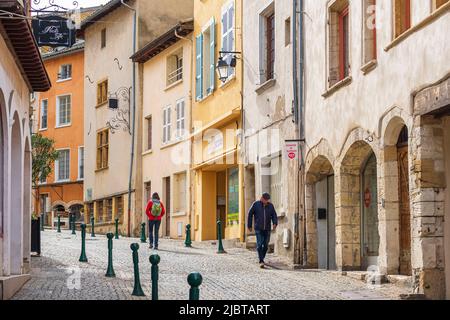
x=262 y=243
x=155 y=224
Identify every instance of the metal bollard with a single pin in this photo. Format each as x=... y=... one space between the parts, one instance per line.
x=92 y=227
x=143 y=238
x=188 y=242
x=195 y=280
x=137 y=291
x=117 y=228
x=219 y=237
x=73 y=224
x=110 y=272
x=83 y=257
x=154 y=260
x=59 y=223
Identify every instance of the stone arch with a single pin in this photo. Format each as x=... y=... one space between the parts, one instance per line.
x=59 y=203
x=318 y=229
x=76 y=208
x=3 y=170
x=395 y=193
x=16 y=196
x=348 y=185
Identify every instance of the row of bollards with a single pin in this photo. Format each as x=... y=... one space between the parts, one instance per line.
x=194 y=279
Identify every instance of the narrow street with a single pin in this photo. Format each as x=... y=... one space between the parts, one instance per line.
x=233 y=276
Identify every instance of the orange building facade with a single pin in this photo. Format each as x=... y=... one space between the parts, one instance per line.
x=60 y=117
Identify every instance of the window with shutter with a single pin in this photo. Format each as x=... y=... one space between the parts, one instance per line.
x=166 y=124
x=149 y=133
x=199 y=68
x=228 y=33
x=212 y=56
x=402 y=16
x=180 y=110
x=102 y=92
x=102 y=149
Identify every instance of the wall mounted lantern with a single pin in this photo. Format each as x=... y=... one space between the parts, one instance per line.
x=223 y=67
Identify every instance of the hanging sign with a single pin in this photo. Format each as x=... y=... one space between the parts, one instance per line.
x=54 y=31
x=292 y=150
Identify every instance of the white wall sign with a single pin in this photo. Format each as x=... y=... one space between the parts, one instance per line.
x=292 y=150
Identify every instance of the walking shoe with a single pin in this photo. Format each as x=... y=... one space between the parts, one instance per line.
x=261 y=265
x=156 y=248
x=150 y=246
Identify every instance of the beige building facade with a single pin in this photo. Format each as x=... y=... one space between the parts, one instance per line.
x=109 y=145
x=167 y=68
x=377 y=98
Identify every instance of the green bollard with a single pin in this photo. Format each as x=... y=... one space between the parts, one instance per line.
x=73 y=225
x=59 y=223
x=143 y=238
x=110 y=272
x=154 y=260
x=219 y=237
x=117 y=228
x=83 y=257
x=195 y=280
x=188 y=242
x=137 y=291
x=92 y=227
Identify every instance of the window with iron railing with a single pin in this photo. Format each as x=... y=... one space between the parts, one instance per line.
x=175 y=67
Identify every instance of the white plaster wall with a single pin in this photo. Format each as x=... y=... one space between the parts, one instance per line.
x=421 y=59
x=166 y=160
x=15 y=94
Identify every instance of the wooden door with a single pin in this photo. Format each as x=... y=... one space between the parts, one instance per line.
x=404 y=210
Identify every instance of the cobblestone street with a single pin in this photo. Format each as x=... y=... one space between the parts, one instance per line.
x=234 y=276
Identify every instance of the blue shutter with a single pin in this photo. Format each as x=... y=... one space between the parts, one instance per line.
x=212 y=55
x=199 y=68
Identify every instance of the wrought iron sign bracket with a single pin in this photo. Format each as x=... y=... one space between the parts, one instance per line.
x=121 y=120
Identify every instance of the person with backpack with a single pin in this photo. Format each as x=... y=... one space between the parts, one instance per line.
x=155 y=211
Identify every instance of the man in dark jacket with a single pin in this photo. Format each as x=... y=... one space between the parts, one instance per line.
x=264 y=214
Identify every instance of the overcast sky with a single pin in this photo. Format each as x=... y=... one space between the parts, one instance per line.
x=69 y=3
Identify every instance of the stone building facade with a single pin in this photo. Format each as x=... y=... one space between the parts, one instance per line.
x=377 y=138
x=269 y=118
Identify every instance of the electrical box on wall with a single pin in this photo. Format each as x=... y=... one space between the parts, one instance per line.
x=322 y=214
x=286 y=238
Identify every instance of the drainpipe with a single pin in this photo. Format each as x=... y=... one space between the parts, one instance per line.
x=133 y=130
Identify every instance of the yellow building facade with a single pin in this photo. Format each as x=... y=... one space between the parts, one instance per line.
x=217 y=170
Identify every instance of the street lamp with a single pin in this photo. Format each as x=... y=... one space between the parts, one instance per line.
x=223 y=67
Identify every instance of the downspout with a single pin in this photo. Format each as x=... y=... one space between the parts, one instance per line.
x=191 y=74
x=302 y=129
x=133 y=130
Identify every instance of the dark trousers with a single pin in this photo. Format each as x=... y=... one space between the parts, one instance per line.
x=153 y=225
x=262 y=243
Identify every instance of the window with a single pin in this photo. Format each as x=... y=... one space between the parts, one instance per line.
x=180 y=192
x=44 y=114
x=62 y=166
x=339 y=42
x=42 y=179
x=102 y=149
x=63 y=110
x=205 y=62
x=100 y=210
x=109 y=210
x=166 y=124
x=402 y=16
x=271 y=173
x=65 y=72
x=439 y=3
x=267 y=44
x=180 y=110
x=370 y=31
x=80 y=163
x=228 y=33
x=103 y=38
x=102 y=92
x=287 y=32
x=148 y=191
x=149 y=133
x=175 y=67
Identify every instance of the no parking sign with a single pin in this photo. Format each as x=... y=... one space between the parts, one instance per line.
x=292 y=150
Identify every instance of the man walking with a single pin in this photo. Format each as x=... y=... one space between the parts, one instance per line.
x=264 y=214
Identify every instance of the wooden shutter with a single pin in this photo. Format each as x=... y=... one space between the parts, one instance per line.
x=212 y=55
x=199 y=68
x=149 y=133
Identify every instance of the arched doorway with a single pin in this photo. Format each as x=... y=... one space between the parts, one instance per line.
x=320 y=210
x=77 y=210
x=16 y=193
x=404 y=204
x=357 y=209
x=370 y=233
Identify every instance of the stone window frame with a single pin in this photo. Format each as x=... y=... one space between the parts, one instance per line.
x=369 y=62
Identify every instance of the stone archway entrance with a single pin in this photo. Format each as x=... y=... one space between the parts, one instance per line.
x=320 y=215
x=357 y=235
